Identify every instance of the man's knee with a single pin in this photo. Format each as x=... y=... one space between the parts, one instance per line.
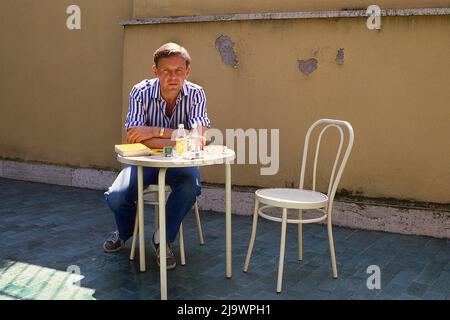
x=122 y=192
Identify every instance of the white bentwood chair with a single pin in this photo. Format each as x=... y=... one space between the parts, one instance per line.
x=302 y=199
x=153 y=189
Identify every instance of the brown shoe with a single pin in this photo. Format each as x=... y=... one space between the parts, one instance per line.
x=171 y=262
x=113 y=243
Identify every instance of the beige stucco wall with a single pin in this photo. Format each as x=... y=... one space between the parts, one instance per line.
x=60 y=89
x=392 y=87
x=158 y=8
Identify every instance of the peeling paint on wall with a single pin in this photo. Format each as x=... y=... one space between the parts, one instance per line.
x=308 y=66
x=340 y=56
x=226 y=48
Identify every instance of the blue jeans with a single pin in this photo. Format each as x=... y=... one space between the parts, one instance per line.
x=122 y=195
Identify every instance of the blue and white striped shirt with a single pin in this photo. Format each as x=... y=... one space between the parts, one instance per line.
x=148 y=108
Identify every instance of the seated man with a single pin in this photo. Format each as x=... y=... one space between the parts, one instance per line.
x=156 y=107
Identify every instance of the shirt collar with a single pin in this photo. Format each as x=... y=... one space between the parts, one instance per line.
x=184 y=89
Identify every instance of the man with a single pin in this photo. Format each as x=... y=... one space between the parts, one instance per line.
x=156 y=107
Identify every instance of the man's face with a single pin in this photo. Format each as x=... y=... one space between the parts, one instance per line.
x=172 y=72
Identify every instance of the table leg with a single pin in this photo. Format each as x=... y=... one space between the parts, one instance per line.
x=162 y=232
x=140 y=217
x=228 y=217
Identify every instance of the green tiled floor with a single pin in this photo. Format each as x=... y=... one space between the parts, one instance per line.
x=44 y=229
x=20 y=280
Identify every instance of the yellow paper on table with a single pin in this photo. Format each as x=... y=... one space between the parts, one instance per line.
x=156 y=151
x=132 y=150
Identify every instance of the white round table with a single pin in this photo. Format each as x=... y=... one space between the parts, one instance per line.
x=163 y=163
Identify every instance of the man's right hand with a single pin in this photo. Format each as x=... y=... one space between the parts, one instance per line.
x=139 y=134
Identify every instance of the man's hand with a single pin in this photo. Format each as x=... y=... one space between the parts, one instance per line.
x=139 y=134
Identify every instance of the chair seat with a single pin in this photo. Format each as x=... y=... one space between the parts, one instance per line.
x=292 y=198
x=154 y=188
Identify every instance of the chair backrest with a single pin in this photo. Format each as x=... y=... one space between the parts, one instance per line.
x=335 y=177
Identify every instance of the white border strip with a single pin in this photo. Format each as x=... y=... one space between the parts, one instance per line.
x=60 y=175
x=288 y=15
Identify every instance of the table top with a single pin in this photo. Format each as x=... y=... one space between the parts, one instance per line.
x=160 y=161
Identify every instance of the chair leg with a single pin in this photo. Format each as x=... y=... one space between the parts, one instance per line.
x=332 y=253
x=282 y=249
x=300 y=236
x=252 y=238
x=199 y=224
x=182 y=253
x=133 y=243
